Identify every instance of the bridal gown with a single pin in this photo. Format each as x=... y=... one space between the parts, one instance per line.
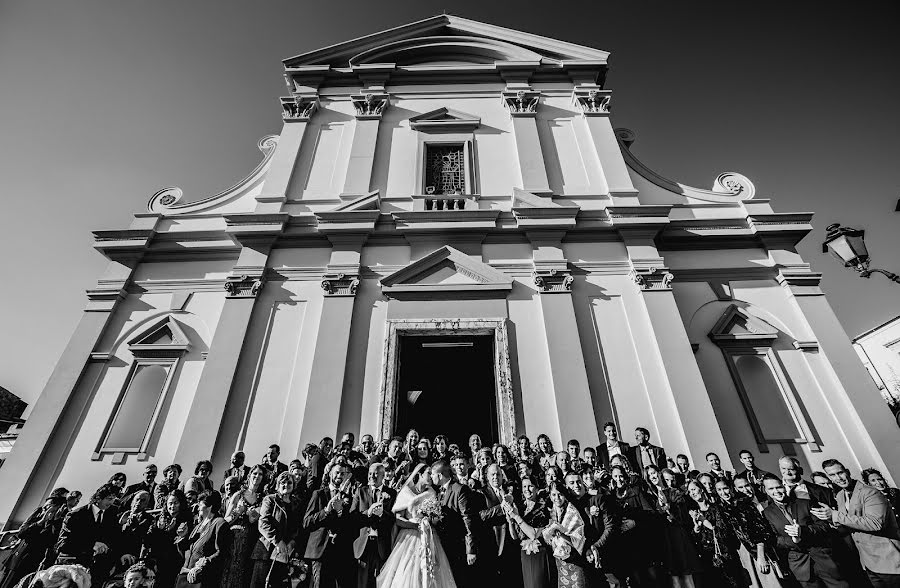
x=417 y=559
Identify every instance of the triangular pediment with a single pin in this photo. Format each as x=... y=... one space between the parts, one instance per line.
x=163 y=339
x=736 y=326
x=448 y=119
x=446 y=270
x=447 y=40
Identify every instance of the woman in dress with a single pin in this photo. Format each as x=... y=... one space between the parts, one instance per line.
x=564 y=535
x=716 y=540
x=535 y=557
x=173 y=522
x=679 y=556
x=641 y=544
x=503 y=457
x=417 y=558
x=242 y=513
x=207 y=548
x=545 y=451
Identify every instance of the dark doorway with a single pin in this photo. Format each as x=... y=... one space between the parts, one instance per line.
x=446 y=386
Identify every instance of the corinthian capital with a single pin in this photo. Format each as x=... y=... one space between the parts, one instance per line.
x=243 y=286
x=592 y=101
x=652 y=278
x=299 y=108
x=521 y=102
x=370 y=105
x=340 y=284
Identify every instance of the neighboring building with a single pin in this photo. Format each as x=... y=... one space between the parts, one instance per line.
x=11 y=409
x=449 y=234
x=879 y=350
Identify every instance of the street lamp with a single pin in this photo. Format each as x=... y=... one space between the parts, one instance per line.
x=849 y=246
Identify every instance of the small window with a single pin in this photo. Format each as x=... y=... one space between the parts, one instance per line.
x=138 y=407
x=445 y=169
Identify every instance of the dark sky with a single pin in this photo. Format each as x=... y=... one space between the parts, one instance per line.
x=103 y=103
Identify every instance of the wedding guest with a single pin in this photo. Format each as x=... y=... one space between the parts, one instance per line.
x=135 y=523
x=232 y=485
x=242 y=514
x=680 y=557
x=372 y=506
x=440 y=447
x=273 y=466
x=573 y=449
x=524 y=452
x=683 y=468
x=545 y=453
x=873 y=478
x=708 y=481
x=716 y=469
x=753 y=532
x=35 y=537
x=503 y=458
x=173 y=523
x=587 y=477
x=208 y=546
x=237 y=469
x=534 y=557
x=366 y=447
x=716 y=541
x=460 y=467
x=278 y=525
x=89 y=536
x=645 y=453
x=119 y=479
x=72 y=499
x=752 y=474
x=148 y=485
x=422 y=453
x=483 y=459
x=805 y=541
x=865 y=513
x=475 y=446
x=620 y=461
x=640 y=542
x=410 y=445
x=589 y=457
x=201 y=477
x=601 y=517
x=171 y=473
x=563 y=462
x=453 y=450
x=552 y=474
x=329 y=522
x=612 y=446
x=744 y=487
x=317 y=462
x=500 y=554
x=792 y=478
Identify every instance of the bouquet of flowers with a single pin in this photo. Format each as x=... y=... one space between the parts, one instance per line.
x=431 y=510
x=531 y=546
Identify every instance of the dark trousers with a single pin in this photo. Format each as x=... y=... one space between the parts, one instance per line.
x=278 y=575
x=883 y=580
x=332 y=572
x=369 y=565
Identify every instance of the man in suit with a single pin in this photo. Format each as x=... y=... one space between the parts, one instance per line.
x=804 y=539
x=500 y=554
x=864 y=512
x=90 y=533
x=237 y=469
x=460 y=522
x=372 y=506
x=716 y=469
x=273 y=466
x=317 y=462
x=644 y=453
x=792 y=477
x=752 y=474
x=278 y=525
x=148 y=484
x=329 y=522
x=612 y=446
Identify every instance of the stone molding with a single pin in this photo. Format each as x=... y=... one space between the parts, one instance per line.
x=243 y=286
x=652 y=278
x=340 y=284
x=299 y=108
x=371 y=105
x=593 y=101
x=553 y=281
x=394 y=328
x=521 y=102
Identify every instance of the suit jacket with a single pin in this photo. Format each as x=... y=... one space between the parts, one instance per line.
x=241 y=472
x=314 y=472
x=603 y=453
x=603 y=526
x=816 y=493
x=874 y=527
x=658 y=453
x=364 y=498
x=212 y=541
x=493 y=517
x=461 y=521
x=320 y=524
x=130 y=491
x=816 y=537
x=278 y=522
x=80 y=531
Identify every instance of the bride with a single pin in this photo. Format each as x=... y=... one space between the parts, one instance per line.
x=417 y=559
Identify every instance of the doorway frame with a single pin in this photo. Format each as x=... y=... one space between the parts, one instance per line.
x=495 y=327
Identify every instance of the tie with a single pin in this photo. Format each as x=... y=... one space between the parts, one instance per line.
x=100 y=517
x=441 y=495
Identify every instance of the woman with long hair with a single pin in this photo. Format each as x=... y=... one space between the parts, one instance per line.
x=716 y=540
x=679 y=556
x=545 y=451
x=440 y=448
x=641 y=531
x=503 y=458
x=423 y=453
x=483 y=458
x=241 y=514
x=173 y=522
x=757 y=539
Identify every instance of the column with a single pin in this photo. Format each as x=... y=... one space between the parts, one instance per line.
x=297 y=111
x=32 y=463
x=567 y=369
x=594 y=104
x=865 y=420
x=326 y=381
x=369 y=106
x=522 y=104
x=208 y=406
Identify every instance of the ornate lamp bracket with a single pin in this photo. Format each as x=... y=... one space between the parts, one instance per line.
x=522 y=102
x=370 y=105
x=340 y=284
x=652 y=278
x=243 y=286
x=553 y=280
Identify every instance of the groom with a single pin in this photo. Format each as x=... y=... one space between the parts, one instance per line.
x=457 y=530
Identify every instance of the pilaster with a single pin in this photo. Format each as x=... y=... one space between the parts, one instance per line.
x=370 y=106
x=297 y=112
x=594 y=104
x=522 y=103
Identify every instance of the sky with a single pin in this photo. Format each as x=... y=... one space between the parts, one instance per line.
x=104 y=103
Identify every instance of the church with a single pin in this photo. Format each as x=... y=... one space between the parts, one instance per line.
x=450 y=234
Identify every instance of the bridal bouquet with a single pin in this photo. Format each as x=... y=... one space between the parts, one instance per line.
x=431 y=510
x=531 y=546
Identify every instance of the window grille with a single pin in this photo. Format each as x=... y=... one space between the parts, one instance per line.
x=445 y=169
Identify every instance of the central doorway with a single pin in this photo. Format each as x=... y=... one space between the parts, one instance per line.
x=447 y=385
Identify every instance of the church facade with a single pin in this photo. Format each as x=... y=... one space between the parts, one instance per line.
x=449 y=234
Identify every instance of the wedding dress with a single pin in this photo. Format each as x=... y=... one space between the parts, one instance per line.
x=417 y=559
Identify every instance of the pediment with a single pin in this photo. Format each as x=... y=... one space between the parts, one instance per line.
x=446 y=270
x=736 y=326
x=164 y=338
x=447 y=40
x=445 y=119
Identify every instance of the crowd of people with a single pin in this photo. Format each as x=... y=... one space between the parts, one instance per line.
x=415 y=512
